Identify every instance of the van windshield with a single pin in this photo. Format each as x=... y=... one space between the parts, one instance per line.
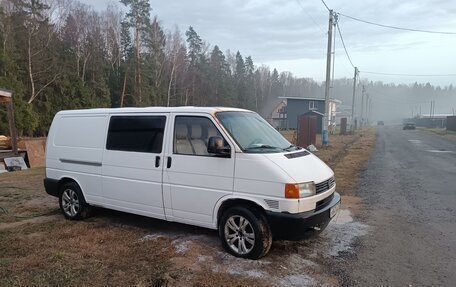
x=253 y=134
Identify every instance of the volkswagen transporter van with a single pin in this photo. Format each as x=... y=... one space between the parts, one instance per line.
x=219 y=168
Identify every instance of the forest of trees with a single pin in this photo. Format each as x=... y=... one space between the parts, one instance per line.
x=62 y=54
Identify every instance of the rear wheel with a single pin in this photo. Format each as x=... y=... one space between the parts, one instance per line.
x=72 y=202
x=245 y=232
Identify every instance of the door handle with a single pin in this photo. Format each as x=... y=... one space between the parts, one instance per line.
x=157 y=161
x=168 y=164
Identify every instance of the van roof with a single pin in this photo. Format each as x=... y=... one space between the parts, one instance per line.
x=184 y=109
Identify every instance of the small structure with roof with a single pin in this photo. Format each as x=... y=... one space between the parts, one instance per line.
x=432 y=120
x=296 y=106
x=278 y=117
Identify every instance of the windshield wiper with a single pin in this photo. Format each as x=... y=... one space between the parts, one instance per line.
x=263 y=146
x=291 y=147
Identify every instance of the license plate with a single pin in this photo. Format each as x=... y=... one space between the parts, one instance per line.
x=333 y=211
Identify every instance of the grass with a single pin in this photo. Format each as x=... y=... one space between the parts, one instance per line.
x=63 y=253
x=22 y=196
x=50 y=251
x=347 y=155
x=108 y=249
x=443 y=132
x=5 y=261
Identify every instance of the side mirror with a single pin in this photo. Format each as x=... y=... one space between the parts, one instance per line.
x=215 y=146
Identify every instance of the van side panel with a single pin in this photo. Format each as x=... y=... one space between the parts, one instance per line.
x=86 y=132
x=132 y=180
x=132 y=183
x=75 y=150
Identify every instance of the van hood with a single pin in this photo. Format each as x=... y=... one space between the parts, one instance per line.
x=302 y=166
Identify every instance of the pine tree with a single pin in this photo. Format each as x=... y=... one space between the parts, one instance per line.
x=195 y=48
x=240 y=77
x=139 y=18
x=155 y=63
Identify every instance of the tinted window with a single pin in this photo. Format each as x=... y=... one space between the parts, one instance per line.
x=191 y=135
x=136 y=133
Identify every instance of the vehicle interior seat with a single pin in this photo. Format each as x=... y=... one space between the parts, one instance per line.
x=183 y=145
x=197 y=141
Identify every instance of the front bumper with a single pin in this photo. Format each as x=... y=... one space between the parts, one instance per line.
x=301 y=225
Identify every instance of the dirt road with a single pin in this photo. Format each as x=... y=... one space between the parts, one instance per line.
x=409 y=193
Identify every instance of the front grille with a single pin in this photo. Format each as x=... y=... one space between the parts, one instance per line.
x=325 y=185
x=322 y=203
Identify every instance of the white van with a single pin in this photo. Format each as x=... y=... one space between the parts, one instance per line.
x=219 y=168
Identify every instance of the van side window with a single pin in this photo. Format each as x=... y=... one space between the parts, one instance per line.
x=191 y=135
x=136 y=133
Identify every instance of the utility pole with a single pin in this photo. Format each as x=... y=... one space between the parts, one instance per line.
x=367 y=109
x=353 y=101
x=362 y=107
x=433 y=110
x=335 y=20
x=370 y=109
x=326 y=117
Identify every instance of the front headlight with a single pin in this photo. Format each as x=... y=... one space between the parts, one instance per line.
x=301 y=190
x=306 y=189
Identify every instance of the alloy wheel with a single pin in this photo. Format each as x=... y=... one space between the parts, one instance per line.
x=239 y=234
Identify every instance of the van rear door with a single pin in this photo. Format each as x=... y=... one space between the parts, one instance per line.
x=133 y=163
x=75 y=149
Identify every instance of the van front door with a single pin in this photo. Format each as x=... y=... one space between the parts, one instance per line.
x=133 y=164
x=195 y=180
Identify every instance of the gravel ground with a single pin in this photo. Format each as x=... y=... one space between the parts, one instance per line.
x=409 y=195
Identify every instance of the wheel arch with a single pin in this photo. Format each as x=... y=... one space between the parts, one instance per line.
x=225 y=203
x=67 y=179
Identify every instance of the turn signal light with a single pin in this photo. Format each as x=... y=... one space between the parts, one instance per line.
x=292 y=190
x=301 y=190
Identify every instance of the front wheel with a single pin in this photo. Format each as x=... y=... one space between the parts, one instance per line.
x=245 y=233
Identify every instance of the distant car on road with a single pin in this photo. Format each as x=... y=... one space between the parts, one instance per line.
x=380 y=123
x=409 y=126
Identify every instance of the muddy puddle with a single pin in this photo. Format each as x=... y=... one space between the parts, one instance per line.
x=339 y=236
x=288 y=264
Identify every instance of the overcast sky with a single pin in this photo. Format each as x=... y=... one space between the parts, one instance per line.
x=291 y=35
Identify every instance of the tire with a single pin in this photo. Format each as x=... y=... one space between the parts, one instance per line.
x=245 y=232
x=72 y=202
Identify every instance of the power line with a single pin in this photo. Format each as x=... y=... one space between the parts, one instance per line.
x=323 y=1
x=396 y=27
x=409 y=75
x=392 y=27
x=343 y=44
x=311 y=18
